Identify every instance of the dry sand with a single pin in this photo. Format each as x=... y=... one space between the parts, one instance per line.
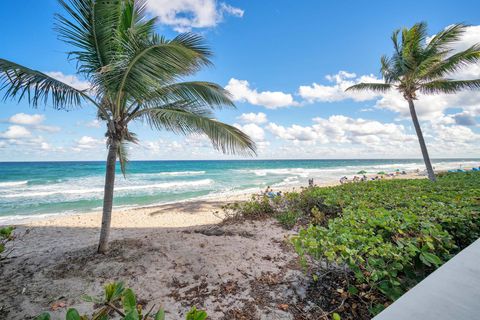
x=173 y=255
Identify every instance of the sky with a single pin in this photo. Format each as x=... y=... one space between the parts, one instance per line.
x=286 y=64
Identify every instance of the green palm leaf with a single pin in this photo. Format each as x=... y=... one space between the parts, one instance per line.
x=36 y=87
x=449 y=86
x=376 y=87
x=224 y=137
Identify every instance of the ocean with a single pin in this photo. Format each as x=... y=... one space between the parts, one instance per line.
x=35 y=189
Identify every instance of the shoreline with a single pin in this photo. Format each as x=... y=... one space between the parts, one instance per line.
x=299 y=178
x=197 y=211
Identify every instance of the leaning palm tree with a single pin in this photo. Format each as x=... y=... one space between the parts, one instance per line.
x=418 y=65
x=135 y=75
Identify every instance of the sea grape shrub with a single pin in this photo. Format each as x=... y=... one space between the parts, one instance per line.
x=392 y=234
x=121 y=301
x=289 y=208
x=258 y=207
x=386 y=250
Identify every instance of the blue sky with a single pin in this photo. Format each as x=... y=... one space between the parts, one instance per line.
x=285 y=62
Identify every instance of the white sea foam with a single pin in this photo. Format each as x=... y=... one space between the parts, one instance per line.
x=182 y=173
x=174 y=185
x=9 y=184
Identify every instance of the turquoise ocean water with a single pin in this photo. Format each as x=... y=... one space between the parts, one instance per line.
x=42 y=188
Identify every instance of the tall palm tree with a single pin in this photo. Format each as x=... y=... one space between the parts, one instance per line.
x=135 y=75
x=418 y=65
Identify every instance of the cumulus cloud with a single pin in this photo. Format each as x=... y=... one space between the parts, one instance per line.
x=241 y=91
x=295 y=132
x=184 y=15
x=15 y=132
x=26 y=119
x=339 y=129
x=257 y=118
x=336 y=90
x=465 y=119
x=253 y=130
x=32 y=120
x=71 y=80
x=88 y=143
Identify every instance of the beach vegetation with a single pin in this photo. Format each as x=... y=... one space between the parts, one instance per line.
x=383 y=236
x=135 y=75
x=122 y=302
x=6 y=236
x=423 y=65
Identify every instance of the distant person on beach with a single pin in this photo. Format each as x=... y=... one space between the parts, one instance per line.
x=310 y=182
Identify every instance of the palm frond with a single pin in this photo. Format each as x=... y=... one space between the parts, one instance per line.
x=134 y=20
x=444 y=39
x=158 y=61
x=449 y=86
x=91 y=26
x=201 y=93
x=20 y=82
x=224 y=137
x=442 y=67
x=187 y=105
x=376 y=87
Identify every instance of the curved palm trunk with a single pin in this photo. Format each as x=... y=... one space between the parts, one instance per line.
x=423 y=146
x=108 y=197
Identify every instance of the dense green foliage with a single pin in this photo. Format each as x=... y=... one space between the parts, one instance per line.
x=122 y=302
x=389 y=233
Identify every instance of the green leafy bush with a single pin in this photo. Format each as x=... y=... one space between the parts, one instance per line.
x=289 y=209
x=393 y=233
x=122 y=302
x=6 y=235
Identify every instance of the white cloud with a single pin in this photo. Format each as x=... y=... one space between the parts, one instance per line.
x=336 y=91
x=32 y=120
x=241 y=91
x=183 y=15
x=88 y=143
x=254 y=131
x=295 y=132
x=339 y=129
x=15 y=132
x=26 y=119
x=226 y=8
x=71 y=80
x=252 y=117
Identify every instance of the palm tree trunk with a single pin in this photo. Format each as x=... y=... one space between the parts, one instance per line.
x=108 y=197
x=423 y=146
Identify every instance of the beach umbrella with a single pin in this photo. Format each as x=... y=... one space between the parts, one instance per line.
x=381 y=172
x=361 y=172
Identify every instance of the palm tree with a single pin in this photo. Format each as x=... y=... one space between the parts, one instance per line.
x=135 y=75
x=418 y=65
